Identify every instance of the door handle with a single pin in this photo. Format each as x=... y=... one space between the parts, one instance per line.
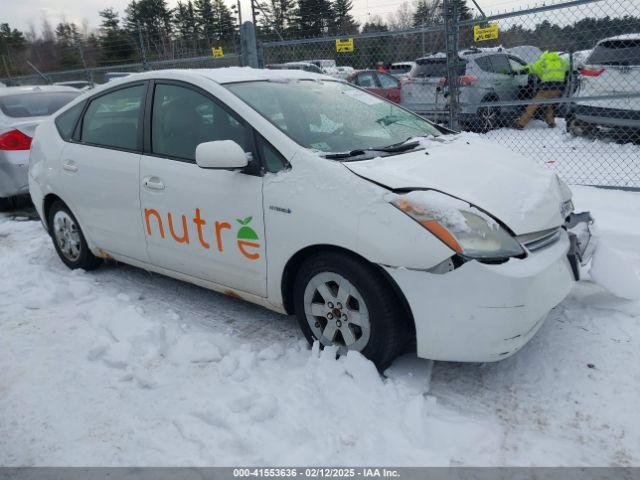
x=70 y=166
x=153 y=183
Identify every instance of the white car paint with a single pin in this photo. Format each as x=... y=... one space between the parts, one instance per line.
x=478 y=312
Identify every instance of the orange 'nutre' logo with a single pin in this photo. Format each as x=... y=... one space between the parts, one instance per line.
x=247 y=240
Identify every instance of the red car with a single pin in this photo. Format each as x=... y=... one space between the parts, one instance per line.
x=379 y=83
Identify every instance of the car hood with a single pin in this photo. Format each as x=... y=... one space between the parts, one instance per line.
x=522 y=195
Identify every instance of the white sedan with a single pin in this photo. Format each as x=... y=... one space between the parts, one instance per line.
x=309 y=196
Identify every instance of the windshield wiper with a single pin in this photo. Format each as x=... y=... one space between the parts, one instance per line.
x=398 y=147
x=393 y=148
x=352 y=153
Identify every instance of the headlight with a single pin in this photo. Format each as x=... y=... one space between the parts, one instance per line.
x=459 y=225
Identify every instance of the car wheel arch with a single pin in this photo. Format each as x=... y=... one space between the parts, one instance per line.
x=47 y=202
x=295 y=262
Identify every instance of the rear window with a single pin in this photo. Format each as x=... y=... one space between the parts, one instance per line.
x=437 y=67
x=66 y=122
x=400 y=68
x=35 y=104
x=616 y=52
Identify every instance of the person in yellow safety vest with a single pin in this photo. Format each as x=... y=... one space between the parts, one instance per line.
x=552 y=71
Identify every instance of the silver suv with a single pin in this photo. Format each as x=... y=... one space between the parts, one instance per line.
x=612 y=70
x=485 y=75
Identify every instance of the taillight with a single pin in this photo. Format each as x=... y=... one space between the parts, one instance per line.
x=15 y=140
x=463 y=80
x=467 y=80
x=591 y=73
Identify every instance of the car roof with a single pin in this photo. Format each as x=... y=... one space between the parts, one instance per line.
x=228 y=75
x=36 y=89
x=627 y=36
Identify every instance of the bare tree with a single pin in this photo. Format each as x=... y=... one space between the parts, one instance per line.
x=402 y=19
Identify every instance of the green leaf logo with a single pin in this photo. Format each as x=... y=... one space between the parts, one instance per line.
x=246 y=232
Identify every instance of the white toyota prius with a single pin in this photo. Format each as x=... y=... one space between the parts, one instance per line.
x=379 y=230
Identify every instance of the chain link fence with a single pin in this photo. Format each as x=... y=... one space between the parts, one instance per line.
x=103 y=74
x=559 y=83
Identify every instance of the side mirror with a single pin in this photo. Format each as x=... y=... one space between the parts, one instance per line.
x=223 y=154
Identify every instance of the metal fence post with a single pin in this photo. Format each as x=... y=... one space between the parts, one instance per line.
x=143 y=54
x=88 y=73
x=450 y=10
x=249 y=45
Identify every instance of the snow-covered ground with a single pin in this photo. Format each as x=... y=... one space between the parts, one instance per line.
x=122 y=367
x=578 y=160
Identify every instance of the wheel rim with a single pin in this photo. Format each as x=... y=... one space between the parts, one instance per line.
x=336 y=312
x=488 y=117
x=67 y=235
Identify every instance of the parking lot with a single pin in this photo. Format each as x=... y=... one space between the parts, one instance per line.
x=120 y=366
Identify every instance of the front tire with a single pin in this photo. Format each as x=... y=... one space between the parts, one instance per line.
x=69 y=240
x=342 y=301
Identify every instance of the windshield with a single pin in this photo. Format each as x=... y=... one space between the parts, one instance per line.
x=34 y=104
x=331 y=116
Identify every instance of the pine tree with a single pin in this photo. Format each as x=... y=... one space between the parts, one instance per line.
x=114 y=42
x=279 y=15
x=375 y=24
x=343 y=22
x=153 y=16
x=66 y=44
x=225 y=25
x=428 y=12
x=314 y=18
x=185 y=21
x=204 y=17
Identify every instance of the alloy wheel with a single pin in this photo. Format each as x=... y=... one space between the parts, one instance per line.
x=67 y=235
x=336 y=312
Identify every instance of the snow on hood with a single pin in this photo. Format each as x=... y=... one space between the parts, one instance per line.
x=519 y=193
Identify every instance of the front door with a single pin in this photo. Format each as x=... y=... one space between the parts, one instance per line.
x=206 y=223
x=100 y=171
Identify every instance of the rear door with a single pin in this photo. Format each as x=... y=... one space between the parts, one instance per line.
x=369 y=81
x=206 y=223
x=496 y=76
x=390 y=87
x=100 y=170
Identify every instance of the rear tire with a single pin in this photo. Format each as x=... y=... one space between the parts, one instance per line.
x=69 y=240
x=342 y=301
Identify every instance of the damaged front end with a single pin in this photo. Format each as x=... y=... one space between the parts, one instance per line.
x=582 y=241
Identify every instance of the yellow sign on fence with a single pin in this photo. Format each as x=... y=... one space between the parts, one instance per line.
x=490 y=32
x=344 y=45
x=217 y=52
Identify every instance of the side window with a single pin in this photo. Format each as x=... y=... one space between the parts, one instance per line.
x=113 y=120
x=516 y=64
x=500 y=64
x=183 y=118
x=66 y=121
x=366 y=80
x=484 y=63
x=273 y=159
x=387 y=81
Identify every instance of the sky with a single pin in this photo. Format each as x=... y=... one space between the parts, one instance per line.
x=23 y=13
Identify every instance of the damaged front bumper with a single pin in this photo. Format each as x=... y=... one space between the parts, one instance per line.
x=582 y=242
x=481 y=312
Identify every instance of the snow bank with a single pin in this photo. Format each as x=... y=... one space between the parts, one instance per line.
x=120 y=367
x=617 y=269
